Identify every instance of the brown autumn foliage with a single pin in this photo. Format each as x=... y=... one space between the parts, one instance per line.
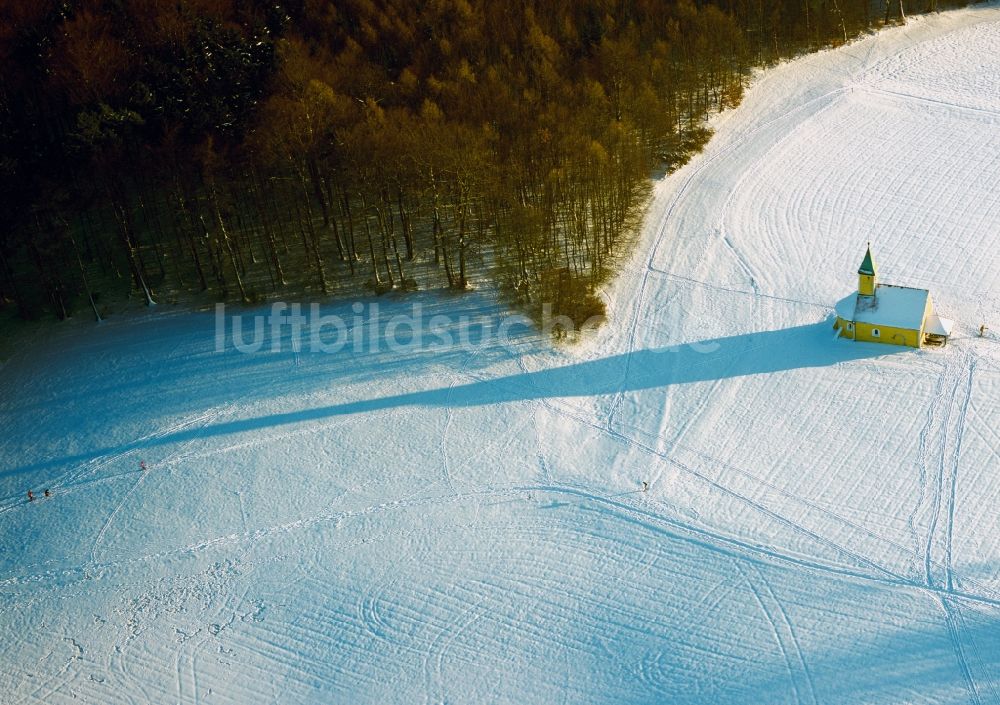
x=198 y=150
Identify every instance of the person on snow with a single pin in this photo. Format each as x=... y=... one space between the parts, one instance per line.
x=142 y=465
x=47 y=493
x=31 y=497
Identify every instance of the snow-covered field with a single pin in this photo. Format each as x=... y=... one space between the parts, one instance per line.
x=822 y=523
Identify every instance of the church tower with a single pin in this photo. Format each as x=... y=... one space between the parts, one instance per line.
x=867 y=275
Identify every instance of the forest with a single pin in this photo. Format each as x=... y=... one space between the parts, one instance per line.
x=194 y=151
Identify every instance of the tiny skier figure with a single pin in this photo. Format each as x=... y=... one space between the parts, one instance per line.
x=645 y=485
x=142 y=465
x=31 y=496
x=47 y=493
x=982 y=330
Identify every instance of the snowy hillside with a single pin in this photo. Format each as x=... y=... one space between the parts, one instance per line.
x=468 y=525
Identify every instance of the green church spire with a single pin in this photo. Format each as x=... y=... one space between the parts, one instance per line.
x=868 y=265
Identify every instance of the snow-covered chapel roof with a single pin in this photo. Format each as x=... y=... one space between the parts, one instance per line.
x=895 y=306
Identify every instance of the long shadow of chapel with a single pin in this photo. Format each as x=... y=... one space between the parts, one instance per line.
x=806 y=346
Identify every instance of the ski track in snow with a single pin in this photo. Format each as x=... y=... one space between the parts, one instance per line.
x=950 y=616
x=953 y=479
x=784 y=635
x=930 y=562
x=470 y=528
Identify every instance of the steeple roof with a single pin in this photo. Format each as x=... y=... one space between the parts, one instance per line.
x=868 y=264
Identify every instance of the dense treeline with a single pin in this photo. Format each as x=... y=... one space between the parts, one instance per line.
x=244 y=149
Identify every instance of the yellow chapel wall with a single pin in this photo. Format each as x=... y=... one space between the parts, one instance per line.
x=889 y=335
x=844 y=327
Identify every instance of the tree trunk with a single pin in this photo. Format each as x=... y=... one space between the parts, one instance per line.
x=436 y=225
x=447 y=262
x=214 y=255
x=352 y=246
x=83 y=276
x=371 y=244
x=840 y=15
x=389 y=229
x=51 y=285
x=462 y=283
x=244 y=229
x=229 y=245
x=156 y=236
x=404 y=218
x=317 y=187
x=322 y=194
x=192 y=244
x=312 y=235
x=124 y=228
x=272 y=246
